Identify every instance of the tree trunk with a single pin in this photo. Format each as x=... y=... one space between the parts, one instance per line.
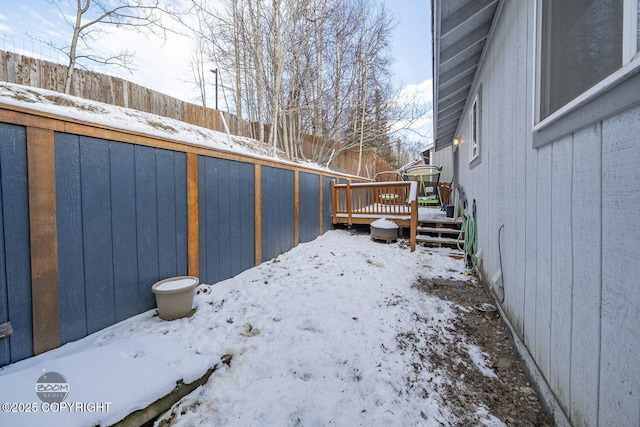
x=81 y=10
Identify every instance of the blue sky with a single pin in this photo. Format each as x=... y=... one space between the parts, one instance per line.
x=412 y=40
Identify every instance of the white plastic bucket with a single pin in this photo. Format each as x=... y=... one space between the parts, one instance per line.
x=174 y=296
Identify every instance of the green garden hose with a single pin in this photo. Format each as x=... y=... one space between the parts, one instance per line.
x=468 y=234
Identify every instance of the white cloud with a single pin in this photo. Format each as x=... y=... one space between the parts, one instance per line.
x=158 y=65
x=421 y=93
x=419 y=98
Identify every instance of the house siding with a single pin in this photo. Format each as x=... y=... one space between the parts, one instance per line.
x=563 y=217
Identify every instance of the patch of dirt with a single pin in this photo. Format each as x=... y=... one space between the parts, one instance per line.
x=66 y=102
x=509 y=397
x=159 y=125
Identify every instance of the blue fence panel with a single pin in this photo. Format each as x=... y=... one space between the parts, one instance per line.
x=309 y=206
x=96 y=233
x=123 y=216
x=147 y=223
x=277 y=212
x=15 y=251
x=246 y=217
x=73 y=309
x=160 y=217
x=121 y=227
x=226 y=218
x=326 y=203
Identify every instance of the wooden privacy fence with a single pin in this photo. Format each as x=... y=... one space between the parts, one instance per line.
x=91 y=217
x=363 y=203
x=24 y=70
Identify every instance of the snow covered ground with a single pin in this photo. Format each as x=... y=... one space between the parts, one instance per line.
x=333 y=332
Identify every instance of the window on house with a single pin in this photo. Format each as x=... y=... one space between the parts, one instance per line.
x=581 y=43
x=475 y=127
x=426 y=157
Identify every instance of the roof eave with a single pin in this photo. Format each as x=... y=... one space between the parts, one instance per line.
x=470 y=24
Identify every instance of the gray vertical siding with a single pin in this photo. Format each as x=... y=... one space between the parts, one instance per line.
x=121 y=213
x=226 y=218
x=309 y=206
x=15 y=254
x=587 y=267
x=620 y=303
x=570 y=242
x=277 y=212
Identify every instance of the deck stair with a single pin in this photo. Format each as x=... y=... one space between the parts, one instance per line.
x=366 y=202
x=439 y=231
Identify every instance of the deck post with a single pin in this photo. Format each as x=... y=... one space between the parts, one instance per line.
x=349 y=213
x=414 y=223
x=334 y=202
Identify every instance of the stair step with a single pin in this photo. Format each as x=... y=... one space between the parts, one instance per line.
x=441 y=230
x=441 y=221
x=439 y=240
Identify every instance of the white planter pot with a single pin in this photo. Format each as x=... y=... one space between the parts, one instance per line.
x=174 y=296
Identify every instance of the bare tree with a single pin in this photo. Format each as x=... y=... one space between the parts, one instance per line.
x=89 y=18
x=198 y=67
x=315 y=67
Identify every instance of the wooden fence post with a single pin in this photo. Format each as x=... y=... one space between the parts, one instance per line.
x=414 y=224
x=44 y=239
x=320 y=230
x=193 y=241
x=257 y=192
x=296 y=207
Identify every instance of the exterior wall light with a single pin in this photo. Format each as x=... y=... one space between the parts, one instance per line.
x=457 y=141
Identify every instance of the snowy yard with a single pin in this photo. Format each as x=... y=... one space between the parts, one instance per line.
x=318 y=338
x=338 y=331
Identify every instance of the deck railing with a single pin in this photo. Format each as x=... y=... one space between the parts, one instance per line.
x=363 y=203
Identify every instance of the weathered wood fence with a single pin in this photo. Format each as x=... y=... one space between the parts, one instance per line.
x=24 y=70
x=91 y=217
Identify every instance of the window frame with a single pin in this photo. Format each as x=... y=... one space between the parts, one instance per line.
x=629 y=68
x=475 y=128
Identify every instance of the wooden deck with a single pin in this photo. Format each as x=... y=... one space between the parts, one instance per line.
x=364 y=203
